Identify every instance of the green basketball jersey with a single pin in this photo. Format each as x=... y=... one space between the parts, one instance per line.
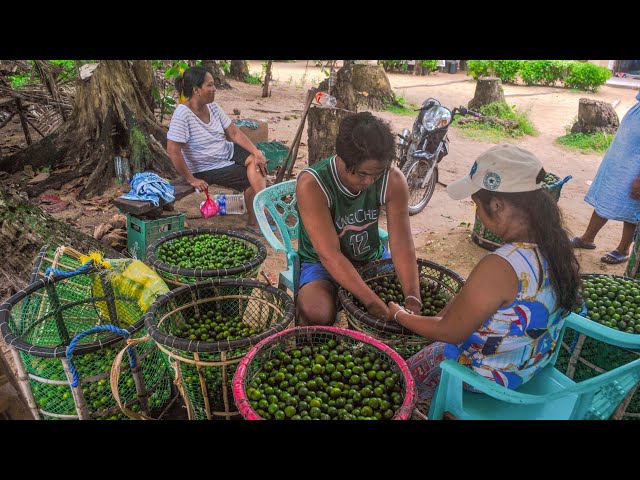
x=355 y=215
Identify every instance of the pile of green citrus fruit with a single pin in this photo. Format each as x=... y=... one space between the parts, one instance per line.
x=326 y=381
x=206 y=251
x=212 y=327
x=388 y=289
x=550 y=179
x=612 y=301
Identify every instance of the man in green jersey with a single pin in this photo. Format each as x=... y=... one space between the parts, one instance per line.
x=339 y=201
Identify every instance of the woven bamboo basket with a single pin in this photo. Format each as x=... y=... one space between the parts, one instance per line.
x=204 y=366
x=40 y=323
x=177 y=276
x=365 y=347
x=582 y=357
x=445 y=281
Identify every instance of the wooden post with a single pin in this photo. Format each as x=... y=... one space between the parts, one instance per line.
x=23 y=121
x=286 y=166
x=23 y=378
x=78 y=396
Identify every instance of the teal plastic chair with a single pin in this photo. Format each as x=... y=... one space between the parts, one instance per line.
x=280 y=201
x=550 y=395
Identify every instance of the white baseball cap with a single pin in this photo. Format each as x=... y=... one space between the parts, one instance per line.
x=503 y=168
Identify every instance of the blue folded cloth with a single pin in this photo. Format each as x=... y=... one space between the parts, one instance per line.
x=147 y=186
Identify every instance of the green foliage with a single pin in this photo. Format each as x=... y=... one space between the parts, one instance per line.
x=176 y=69
x=390 y=65
x=586 y=76
x=586 y=142
x=253 y=79
x=506 y=70
x=429 y=65
x=479 y=68
x=580 y=75
x=494 y=132
x=19 y=81
x=225 y=65
x=402 y=107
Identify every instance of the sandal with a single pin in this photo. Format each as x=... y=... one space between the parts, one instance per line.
x=576 y=242
x=614 y=257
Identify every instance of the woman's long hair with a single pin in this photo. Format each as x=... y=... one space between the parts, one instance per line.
x=192 y=77
x=546 y=227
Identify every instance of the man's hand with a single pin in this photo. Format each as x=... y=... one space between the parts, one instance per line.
x=635 y=189
x=413 y=305
x=199 y=184
x=260 y=162
x=379 y=310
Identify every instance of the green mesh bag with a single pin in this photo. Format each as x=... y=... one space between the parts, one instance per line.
x=40 y=322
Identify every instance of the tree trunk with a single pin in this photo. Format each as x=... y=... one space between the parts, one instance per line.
x=143 y=71
x=239 y=70
x=110 y=118
x=24 y=229
x=218 y=75
x=322 y=130
x=417 y=70
x=488 y=90
x=361 y=86
x=267 y=80
x=595 y=116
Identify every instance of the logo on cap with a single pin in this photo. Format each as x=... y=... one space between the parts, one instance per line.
x=491 y=181
x=474 y=167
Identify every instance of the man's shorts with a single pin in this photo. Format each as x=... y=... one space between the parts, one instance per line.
x=312 y=272
x=234 y=176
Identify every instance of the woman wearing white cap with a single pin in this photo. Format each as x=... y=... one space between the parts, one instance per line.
x=505 y=322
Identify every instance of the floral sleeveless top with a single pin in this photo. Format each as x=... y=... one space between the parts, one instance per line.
x=515 y=343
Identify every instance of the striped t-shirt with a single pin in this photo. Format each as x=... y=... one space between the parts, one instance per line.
x=205 y=146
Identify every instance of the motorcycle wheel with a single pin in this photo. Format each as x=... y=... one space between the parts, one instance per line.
x=414 y=171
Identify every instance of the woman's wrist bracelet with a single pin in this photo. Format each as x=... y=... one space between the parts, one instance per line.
x=395 y=315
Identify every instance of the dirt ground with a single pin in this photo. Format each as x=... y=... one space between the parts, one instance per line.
x=442 y=232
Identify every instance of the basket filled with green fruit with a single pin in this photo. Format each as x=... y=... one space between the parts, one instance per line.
x=61 y=313
x=438 y=285
x=198 y=254
x=323 y=373
x=612 y=301
x=485 y=238
x=206 y=329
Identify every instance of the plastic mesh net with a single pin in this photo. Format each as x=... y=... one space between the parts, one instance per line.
x=207 y=328
x=41 y=321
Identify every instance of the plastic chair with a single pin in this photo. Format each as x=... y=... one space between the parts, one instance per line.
x=550 y=395
x=280 y=201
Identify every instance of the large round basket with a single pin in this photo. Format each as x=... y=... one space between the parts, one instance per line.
x=54 y=319
x=583 y=357
x=485 y=238
x=327 y=373
x=438 y=285
x=181 y=272
x=207 y=328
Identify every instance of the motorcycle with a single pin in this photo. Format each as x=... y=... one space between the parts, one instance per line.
x=421 y=150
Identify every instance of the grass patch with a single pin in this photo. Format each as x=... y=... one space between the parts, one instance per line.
x=253 y=79
x=586 y=142
x=497 y=133
x=402 y=107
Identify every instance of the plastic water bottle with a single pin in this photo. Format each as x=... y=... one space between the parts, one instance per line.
x=222 y=203
x=230 y=204
x=323 y=98
x=122 y=170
